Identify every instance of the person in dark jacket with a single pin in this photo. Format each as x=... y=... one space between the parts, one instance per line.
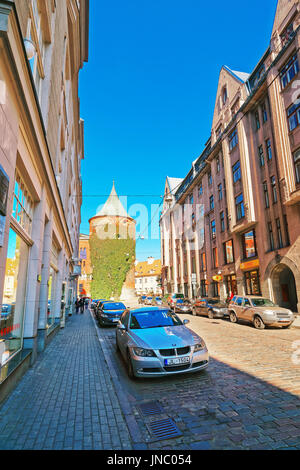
x=81 y=305
x=77 y=305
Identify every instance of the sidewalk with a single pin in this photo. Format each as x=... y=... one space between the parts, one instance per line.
x=67 y=399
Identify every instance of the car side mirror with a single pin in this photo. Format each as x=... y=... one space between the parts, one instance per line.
x=185 y=322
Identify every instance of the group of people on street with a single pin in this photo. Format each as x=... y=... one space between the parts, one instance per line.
x=81 y=304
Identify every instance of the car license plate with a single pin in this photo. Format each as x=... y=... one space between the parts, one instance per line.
x=177 y=361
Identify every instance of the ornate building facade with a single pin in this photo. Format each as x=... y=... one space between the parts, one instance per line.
x=43 y=46
x=233 y=223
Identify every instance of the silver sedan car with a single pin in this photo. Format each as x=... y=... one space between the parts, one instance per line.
x=155 y=342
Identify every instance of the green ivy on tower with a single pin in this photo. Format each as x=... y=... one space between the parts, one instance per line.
x=112 y=260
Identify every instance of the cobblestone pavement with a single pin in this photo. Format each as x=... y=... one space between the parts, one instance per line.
x=78 y=394
x=248 y=398
x=67 y=399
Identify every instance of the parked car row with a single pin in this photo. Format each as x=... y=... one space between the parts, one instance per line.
x=150 y=300
x=108 y=313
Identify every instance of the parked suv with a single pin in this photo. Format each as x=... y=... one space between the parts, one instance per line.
x=261 y=312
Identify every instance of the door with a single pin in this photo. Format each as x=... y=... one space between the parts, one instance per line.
x=123 y=334
x=246 y=311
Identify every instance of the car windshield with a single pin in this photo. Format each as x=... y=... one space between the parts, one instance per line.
x=153 y=319
x=262 y=303
x=116 y=306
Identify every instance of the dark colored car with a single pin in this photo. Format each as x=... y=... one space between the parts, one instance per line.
x=95 y=303
x=211 y=308
x=157 y=301
x=110 y=313
x=142 y=299
x=148 y=300
x=183 y=306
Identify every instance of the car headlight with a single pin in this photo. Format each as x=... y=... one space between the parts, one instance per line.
x=104 y=315
x=200 y=346
x=144 y=352
x=217 y=310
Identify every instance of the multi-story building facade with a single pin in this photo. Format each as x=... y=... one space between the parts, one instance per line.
x=44 y=44
x=148 y=276
x=86 y=276
x=245 y=186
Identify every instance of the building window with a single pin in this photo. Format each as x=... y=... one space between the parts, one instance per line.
x=211 y=203
x=261 y=156
x=228 y=252
x=264 y=113
x=236 y=171
x=224 y=95
x=239 y=205
x=203 y=262
x=279 y=233
x=287 y=34
x=22 y=205
x=252 y=283
x=227 y=219
x=233 y=140
x=271 y=236
x=200 y=189
x=294 y=115
x=218 y=165
x=266 y=195
x=204 y=288
x=218 y=132
x=286 y=228
x=209 y=178
x=269 y=149
x=257 y=121
x=191 y=199
x=297 y=165
x=222 y=219
x=220 y=191
x=249 y=244
x=289 y=71
x=14 y=295
x=215 y=258
x=213 y=229
x=274 y=190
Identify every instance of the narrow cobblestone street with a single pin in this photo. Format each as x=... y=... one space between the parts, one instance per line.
x=78 y=395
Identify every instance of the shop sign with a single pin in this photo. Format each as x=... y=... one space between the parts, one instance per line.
x=217 y=278
x=250 y=265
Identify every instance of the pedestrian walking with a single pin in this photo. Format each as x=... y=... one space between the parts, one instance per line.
x=81 y=306
x=86 y=303
x=77 y=304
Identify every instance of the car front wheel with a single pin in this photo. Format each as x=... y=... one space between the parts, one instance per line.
x=129 y=367
x=233 y=317
x=258 y=323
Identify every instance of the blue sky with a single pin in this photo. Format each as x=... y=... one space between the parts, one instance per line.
x=148 y=91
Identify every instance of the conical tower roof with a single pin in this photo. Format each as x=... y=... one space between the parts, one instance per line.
x=113 y=206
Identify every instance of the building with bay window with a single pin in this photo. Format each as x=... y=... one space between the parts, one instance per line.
x=44 y=44
x=245 y=184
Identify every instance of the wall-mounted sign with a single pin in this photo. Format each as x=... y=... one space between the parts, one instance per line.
x=250 y=265
x=217 y=278
x=4 y=184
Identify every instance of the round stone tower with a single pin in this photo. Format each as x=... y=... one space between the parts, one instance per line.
x=112 y=222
